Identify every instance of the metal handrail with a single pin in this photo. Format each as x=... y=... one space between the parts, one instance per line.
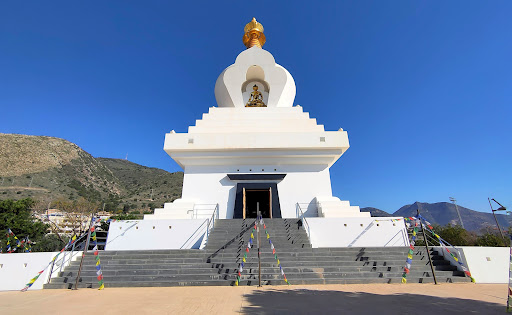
x=301 y=216
x=76 y=248
x=193 y=234
x=196 y=211
x=211 y=223
x=60 y=263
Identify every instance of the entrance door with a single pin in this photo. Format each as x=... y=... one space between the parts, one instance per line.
x=253 y=197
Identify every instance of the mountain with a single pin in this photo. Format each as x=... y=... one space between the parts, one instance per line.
x=141 y=183
x=443 y=213
x=374 y=212
x=48 y=169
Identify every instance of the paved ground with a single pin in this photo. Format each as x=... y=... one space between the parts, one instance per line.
x=311 y=299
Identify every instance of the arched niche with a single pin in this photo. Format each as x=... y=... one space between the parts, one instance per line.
x=255 y=66
x=255 y=75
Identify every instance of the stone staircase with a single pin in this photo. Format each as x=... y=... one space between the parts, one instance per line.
x=218 y=263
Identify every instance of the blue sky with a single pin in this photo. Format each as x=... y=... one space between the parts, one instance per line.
x=423 y=88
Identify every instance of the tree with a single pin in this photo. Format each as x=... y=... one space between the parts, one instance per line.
x=16 y=215
x=78 y=212
x=491 y=239
x=49 y=243
x=105 y=226
x=455 y=235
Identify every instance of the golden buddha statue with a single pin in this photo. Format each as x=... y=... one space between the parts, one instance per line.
x=256 y=98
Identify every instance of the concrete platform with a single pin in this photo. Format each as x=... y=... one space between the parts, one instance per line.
x=310 y=299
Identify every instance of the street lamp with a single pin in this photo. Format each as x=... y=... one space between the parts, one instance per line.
x=501 y=208
x=457 y=208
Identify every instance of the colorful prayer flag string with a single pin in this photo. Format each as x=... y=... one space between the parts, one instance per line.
x=392 y=220
x=28 y=245
x=244 y=258
x=31 y=282
x=408 y=261
x=9 y=232
x=444 y=244
x=19 y=244
x=99 y=273
x=272 y=247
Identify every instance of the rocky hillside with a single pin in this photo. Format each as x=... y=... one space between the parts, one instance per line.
x=443 y=213
x=47 y=169
x=374 y=212
x=145 y=185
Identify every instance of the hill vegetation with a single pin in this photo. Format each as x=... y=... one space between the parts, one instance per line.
x=56 y=172
x=51 y=170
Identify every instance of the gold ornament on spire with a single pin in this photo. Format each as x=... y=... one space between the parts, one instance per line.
x=254 y=34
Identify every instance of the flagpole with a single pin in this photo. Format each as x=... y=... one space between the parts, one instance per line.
x=258 y=214
x=83 y=253
x=426 y=246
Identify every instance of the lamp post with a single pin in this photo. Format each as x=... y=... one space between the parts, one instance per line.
x=501 y=208
x=457 y=208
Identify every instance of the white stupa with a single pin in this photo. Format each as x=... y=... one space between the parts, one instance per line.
x=256 y=150
x=268 y=152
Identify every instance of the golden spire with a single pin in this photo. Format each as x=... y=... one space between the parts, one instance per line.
x=254 y=34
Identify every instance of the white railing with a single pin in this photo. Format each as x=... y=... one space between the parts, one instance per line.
x=201 y=211
x=68 y=255
x=211 y=223
x=300 y=215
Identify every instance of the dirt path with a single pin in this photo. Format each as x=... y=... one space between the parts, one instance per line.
x=313 y=299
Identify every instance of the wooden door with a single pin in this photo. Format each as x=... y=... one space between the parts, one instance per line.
x=270 y=202
x=244 y=203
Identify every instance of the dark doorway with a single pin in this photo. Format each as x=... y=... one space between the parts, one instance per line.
x=241 y=188
x=253 y=197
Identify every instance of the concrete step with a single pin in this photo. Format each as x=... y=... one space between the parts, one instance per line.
x=95 y=285
x=245 y=275
x=219 y=262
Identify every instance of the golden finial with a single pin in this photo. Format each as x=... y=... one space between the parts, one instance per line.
x=254 y=34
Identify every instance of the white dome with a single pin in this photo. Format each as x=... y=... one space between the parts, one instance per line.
x=255 y=66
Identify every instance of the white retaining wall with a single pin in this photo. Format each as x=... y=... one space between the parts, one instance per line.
x=486 y=264
x=155 y=234
x=354 y=232
x=17 y=269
